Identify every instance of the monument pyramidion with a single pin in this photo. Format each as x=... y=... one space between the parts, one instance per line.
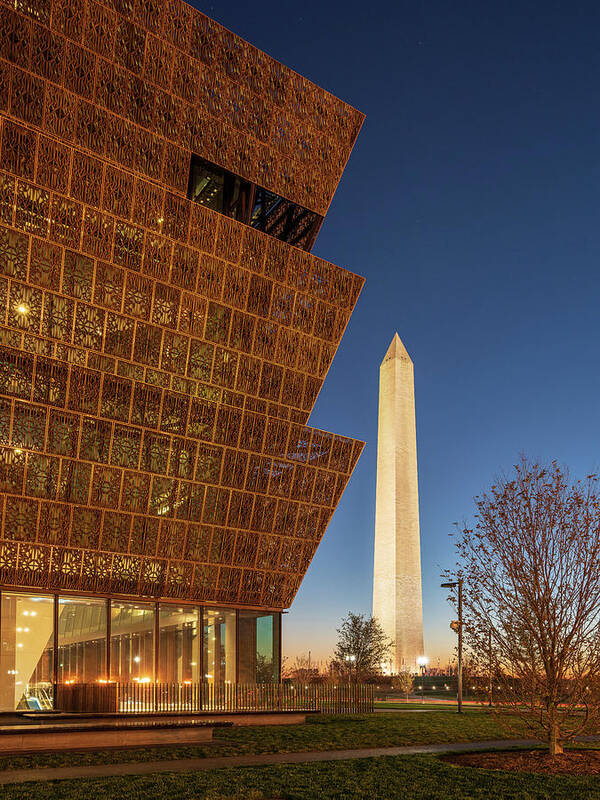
x=397 y=596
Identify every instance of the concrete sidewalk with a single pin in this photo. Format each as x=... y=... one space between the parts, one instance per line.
x=195 y=764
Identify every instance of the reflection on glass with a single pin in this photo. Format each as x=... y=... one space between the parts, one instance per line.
x=26 y=654
x=219 y=646
x=223 y=191
x=81 y=640
x=206 y=184
x=131 y=642
x=264 y=209
x=180 y=656
x=216 y=188
x=283 y=219
x=259 y=647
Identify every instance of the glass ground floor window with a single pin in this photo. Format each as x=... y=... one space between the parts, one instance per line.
x=82 y=626
x=180 y=644
x=47 y=639
x=258 y=640
x=220 y=645
x=132 y=642
x=27 y=651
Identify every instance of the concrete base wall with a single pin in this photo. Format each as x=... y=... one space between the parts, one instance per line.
x=82 y=734
x=90 y=739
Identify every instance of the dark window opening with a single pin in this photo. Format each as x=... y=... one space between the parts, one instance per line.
x=218 y=189
x=227 y=193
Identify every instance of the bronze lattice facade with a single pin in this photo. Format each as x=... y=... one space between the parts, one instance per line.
x=162 y=344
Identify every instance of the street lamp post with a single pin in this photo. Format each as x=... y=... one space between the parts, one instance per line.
x=452 y=585
x=350 y=660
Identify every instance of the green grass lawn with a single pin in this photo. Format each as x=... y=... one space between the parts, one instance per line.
x=319 y=733
x=408 y=777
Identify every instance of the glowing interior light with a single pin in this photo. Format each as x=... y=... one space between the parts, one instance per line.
x=22 y=309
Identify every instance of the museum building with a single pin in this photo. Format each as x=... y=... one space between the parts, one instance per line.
x=164 y=334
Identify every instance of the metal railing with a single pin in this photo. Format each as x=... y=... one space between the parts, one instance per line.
x=37 y=697
x=177 y=698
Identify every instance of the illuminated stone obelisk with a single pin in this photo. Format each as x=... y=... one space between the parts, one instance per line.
x=397 y=599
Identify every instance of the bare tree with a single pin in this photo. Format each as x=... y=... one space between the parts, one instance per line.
x=361 y=649
x=303 y=670
x=531 y=572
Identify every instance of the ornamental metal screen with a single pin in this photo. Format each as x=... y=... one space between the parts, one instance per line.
x=159 y=360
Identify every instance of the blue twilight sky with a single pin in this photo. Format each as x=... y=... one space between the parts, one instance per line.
x=470 y=204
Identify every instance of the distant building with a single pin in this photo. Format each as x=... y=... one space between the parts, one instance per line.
x=397 y=598
x=164 y=334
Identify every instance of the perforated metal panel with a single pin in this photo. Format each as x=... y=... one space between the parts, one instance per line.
x=159 y=361
x=145 y=83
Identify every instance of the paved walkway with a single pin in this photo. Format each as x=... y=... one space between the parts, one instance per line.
x=195 y=764
x=403 y=710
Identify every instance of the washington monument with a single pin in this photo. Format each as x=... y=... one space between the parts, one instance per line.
x=397 y=600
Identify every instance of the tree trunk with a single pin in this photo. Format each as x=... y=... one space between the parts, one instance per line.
x=555 y=747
